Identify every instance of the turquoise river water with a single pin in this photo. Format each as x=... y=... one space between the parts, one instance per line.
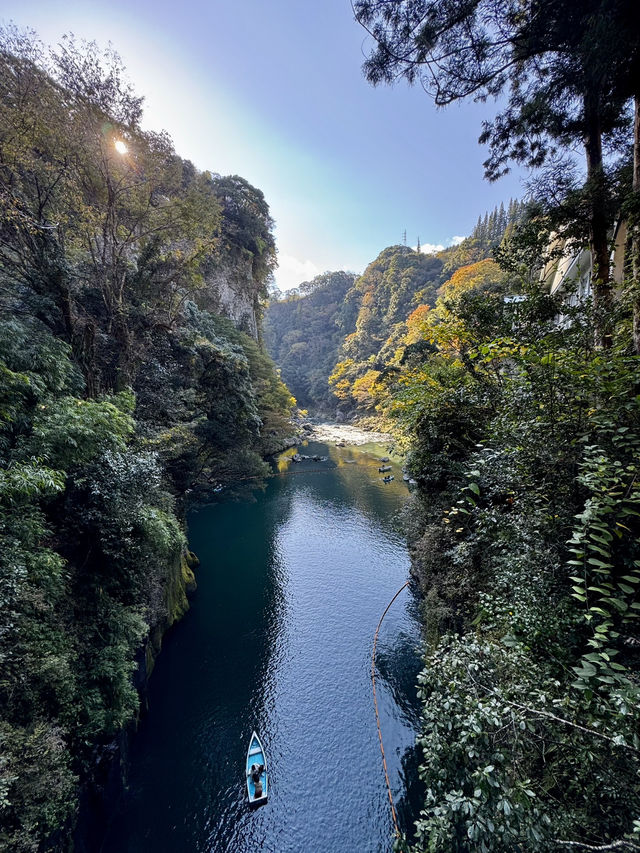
x=292 y=582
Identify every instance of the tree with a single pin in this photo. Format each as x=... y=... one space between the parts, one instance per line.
x=304 y=335
x=248 y=225
x=137 y=224
x=634 y=226
x=564 y=66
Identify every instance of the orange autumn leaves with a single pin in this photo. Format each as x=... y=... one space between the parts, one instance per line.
x=443 y=325
x=369 y=385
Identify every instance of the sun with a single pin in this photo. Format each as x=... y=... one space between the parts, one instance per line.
x=120 y=147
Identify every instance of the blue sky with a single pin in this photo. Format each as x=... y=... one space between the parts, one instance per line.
x=272 y=90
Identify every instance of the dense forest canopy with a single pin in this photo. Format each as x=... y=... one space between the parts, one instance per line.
x=303 y=333
x=397 y=289
x=131 y=287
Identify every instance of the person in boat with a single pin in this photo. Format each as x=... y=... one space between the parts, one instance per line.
x=258 y=792
x=256 y=772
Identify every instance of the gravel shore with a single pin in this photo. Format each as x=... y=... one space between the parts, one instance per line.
x=348 y=434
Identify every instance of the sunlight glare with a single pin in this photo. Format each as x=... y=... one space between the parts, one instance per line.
x=120 y=147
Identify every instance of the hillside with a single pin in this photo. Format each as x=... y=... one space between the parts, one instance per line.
x=303 y=333
x=333 y=337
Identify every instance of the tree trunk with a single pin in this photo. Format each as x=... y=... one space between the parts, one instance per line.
x=634 y=228
x=123 y=340
x=85 y=355
x=598 y=223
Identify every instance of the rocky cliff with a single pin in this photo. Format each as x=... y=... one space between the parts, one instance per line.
x=231 y=290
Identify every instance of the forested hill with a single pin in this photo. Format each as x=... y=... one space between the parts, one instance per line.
x=335 y=336
x=304 y=331
x=132 y=287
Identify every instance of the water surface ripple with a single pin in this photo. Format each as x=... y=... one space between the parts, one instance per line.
x=291 y=586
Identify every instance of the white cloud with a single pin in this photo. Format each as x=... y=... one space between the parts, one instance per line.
x=292 y=271
x=431 y=248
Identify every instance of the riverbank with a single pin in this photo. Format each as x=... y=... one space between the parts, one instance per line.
x=348 y=434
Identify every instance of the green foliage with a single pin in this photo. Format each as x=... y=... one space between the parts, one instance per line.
x=339 y=340
x=388 y=288
x=391 y=285
x=117 y=396
x=74 y=431
x=303 y=333
x=479 y=793
x=37 y=785
x=247 y=226
x=394 y=328
x=523 y=439
x=605 y=553
x=108 y=699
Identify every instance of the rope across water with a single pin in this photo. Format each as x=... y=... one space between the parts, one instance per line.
x=375 y=705
x=270 y=474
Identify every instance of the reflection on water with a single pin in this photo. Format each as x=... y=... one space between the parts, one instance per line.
x=290 y=590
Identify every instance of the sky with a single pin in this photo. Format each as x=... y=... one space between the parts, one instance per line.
x=273 y=90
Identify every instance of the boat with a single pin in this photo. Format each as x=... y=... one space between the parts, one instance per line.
x=387 y=479
x=256 y=758
x=384 y=468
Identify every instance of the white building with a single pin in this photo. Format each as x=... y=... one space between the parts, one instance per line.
x=571 y=269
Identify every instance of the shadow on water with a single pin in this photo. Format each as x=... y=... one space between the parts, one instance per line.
x=291 y=586
x=410 y=802
x=399 y=666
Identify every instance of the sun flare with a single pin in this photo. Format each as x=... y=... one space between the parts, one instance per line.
x=120 y=147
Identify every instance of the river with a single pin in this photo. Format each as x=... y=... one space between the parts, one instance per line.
x=292 y=582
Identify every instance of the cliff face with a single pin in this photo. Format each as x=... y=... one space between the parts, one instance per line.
x=99 y=796
x=230 y=290
x=179 y=583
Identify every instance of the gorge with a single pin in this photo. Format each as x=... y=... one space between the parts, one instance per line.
x=158 y=397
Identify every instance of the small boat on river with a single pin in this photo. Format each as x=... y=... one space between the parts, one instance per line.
x=256 y=772
x=384 y=468
x=387 y=479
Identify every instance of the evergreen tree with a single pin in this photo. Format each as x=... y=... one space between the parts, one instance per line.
x=566 y=67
